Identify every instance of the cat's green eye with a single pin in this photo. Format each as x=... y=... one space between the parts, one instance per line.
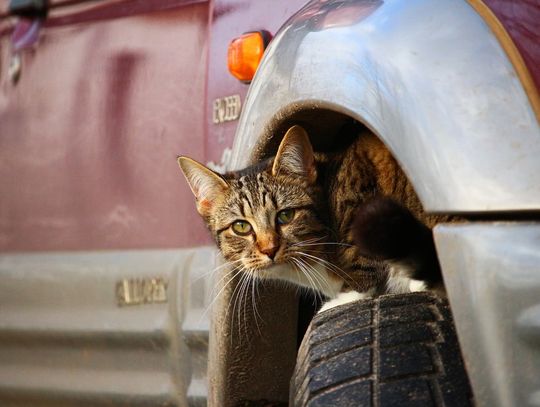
x=241 y=227
x=285 y=216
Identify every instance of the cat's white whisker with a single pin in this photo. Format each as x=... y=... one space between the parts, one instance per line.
x=249 y=289
x=224 y=276
x=234 y=300
x=318 y=276
x=254 y=289
x=325 y=263
x=307 y=241
x=214 y=270
x=324 y=252
x=240 y=300
x=302 y=266
x=323 y=243
x=236 y=271
x=305 y=267
x=242 y=305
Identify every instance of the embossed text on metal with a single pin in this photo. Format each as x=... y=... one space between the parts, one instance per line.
x=137 y=291
x=226 y=109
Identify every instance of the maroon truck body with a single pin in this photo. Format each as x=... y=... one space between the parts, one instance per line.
x=108 y=97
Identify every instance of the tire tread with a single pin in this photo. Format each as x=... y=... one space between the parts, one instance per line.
x=389 y=351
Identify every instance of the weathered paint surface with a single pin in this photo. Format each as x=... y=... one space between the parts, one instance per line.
x=89 y=136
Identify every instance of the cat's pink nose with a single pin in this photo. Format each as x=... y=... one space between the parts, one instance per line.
x=270 y=251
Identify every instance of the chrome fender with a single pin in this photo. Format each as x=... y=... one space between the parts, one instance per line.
x=429 y=77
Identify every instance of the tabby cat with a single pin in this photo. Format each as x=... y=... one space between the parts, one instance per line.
x=347 y=224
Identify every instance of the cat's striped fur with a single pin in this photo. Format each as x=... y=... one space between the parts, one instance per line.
x=314 y=247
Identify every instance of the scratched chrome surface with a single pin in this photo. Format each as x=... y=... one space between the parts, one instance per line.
x=428 y=77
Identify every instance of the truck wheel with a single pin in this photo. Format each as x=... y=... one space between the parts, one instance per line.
x=395 y=350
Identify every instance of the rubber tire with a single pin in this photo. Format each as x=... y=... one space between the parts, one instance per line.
x=396 y=350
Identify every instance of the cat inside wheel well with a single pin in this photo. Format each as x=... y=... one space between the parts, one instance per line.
x=329 y=130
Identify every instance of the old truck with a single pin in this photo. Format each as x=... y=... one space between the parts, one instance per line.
x=107 y=295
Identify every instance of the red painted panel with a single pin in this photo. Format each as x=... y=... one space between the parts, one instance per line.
x=89 y=136
x=522 y=21
x=230 y=20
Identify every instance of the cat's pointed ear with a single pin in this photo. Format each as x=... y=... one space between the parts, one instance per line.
x=206 y=185
x=295 y=155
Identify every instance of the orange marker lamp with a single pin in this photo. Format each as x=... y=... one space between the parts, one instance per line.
x=245 y=54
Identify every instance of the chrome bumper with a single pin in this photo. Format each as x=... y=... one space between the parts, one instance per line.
x=492 y=274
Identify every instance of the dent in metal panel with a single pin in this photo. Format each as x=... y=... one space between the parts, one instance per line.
x=492 y=274
x=428 y=77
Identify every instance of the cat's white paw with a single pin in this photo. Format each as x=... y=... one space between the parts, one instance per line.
x=401 y=285
x=417 y=285
x=344 y=298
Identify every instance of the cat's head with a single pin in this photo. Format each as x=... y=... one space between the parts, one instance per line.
x=265 y=215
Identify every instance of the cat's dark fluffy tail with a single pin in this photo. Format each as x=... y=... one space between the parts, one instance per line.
x=386 y=230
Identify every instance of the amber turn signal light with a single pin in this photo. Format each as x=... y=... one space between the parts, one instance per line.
x=245 y=53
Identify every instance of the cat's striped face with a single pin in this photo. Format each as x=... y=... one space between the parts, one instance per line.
x=265 y=218
x=267 y=215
